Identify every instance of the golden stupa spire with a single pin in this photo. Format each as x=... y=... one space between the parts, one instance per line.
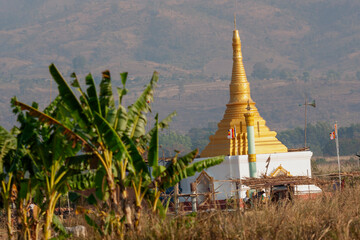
x=265 y=140
x=234 y=21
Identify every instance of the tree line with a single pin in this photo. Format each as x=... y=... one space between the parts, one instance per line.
x=317 y=139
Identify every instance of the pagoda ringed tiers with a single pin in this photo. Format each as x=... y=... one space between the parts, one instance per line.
x=239 y=103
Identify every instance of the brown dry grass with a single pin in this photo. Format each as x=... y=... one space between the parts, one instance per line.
x=330 y=216
x=334 y=216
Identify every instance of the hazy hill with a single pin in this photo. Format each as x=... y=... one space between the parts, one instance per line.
x=189 y=43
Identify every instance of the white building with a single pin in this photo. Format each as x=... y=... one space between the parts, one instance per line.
x=237 y=167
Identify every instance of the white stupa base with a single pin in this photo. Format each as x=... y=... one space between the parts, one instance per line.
x=235 y=167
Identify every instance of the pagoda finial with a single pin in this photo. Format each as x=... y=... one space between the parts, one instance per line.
x=235 y=14
x=234 y=21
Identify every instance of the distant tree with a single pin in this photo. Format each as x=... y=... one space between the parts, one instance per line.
x=358 y=75
x=174 y=141
x=347 y=146
x=332 y=75
x=318 y=139
x=306 y=76
x=286 y=74
x=114 y=8
x=181 y=88
x=200 y=136
x=79 y=63
x=260 y=71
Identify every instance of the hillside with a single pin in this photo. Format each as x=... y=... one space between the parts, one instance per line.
x=189 y=43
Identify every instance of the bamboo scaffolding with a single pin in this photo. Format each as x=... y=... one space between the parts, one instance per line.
x=273 y=181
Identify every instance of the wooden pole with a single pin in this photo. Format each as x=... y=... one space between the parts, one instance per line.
x=305 y=125
x=176 y=198
x=193 y=197
x=337 y=152
x=237 y=196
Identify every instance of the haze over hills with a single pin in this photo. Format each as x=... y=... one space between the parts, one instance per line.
x=189 y=43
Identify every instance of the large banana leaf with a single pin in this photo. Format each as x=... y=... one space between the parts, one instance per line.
x=139 y=128
x=111 y=139
x=53 y=106
x=162 y=124
x=180 y=169
x=136 y=163
x=62 y=177
x=137 y=111
x=153 y=154
x=201 y=165
x=122 y=91
x=83 y=98
x=72 y=136
x=69 y=98
x=121 y=120
x=106 y=95
x=94 y=103
x=59 y=227
x=82 y=181
x=77 y=162
x=111 y=116
x=7 y=143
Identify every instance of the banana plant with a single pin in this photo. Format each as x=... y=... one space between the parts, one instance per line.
x=107 y=125
x=7 y=152
x=48 y=150
x=100 y=126
x=116 y=137
x=16 y=186
x=149 y=182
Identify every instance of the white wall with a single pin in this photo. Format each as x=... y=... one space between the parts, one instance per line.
x=235 y=167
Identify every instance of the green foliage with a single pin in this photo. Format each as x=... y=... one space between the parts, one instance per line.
x=306 y=76
x=200 y=136
x=195 y=138
x=79 y=63
x=260 y=71
x=170 y=141
x=332 y=75
x=318 y=139
x=7 y=144
x=347 y=146
x=284 y=74
x=357 y=75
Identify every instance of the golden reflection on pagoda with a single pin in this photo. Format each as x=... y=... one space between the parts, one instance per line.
x=265 y=140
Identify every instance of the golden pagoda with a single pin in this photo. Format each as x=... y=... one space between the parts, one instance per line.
x=240 y=103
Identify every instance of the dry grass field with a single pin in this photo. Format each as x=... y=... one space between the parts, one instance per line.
x=331 y=215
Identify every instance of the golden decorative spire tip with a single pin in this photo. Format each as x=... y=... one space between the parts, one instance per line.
x=235 y=21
